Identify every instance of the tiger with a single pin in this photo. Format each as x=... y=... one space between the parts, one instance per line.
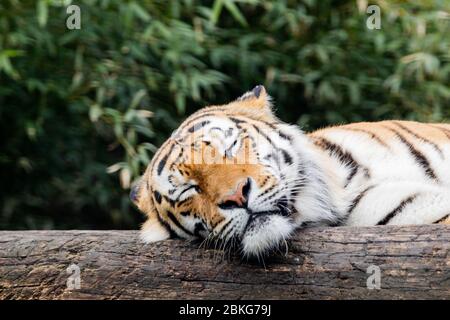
x=237 y=174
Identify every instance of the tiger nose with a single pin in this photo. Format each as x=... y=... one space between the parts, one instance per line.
x=240 y=195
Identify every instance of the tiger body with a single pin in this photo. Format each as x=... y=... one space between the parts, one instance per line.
x=389 y=172
x=237 y=174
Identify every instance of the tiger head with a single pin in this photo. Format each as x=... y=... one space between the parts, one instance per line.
x=228 y=173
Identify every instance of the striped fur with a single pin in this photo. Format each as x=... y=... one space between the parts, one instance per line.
x=238 y=175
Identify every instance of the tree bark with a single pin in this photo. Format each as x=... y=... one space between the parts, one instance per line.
x=322 y=263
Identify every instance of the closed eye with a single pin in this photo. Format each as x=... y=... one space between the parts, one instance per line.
x=195 y=187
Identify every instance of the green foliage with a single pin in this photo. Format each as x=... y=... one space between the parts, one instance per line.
x=81 y=110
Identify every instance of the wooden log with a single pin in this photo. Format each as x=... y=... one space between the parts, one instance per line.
x=322 y=263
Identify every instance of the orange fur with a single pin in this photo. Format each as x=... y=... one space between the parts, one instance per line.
x=215 y=181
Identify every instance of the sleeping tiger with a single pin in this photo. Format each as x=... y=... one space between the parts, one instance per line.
x=237 y=174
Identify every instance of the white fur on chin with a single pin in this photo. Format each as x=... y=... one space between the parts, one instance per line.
x=268 y=235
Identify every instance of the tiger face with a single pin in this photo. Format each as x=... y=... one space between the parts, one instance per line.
x=228 y=173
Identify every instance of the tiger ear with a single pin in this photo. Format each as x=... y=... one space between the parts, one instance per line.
x=254 y=102
x=153 y=231
x=258 y=96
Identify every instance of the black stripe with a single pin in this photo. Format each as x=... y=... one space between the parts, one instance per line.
x=177 y=223
x=287 y=157
x=299 y=185
x=358 y=199
x=198 y=126
x=180 y=203
x=186 y=189
x=170 y=201
x=198 y=228
x=434 y=145
x=371 y=134
x=442 y=219
x=163 y=161
x=224 y=228
x=284 y=135
x=216 y=224
x=159 y=154
x=157 y=196
x=190 y=121
x=276 y=129
x=443 y=130
x=343 y=156
x=265 y=136
x=172 y=233
x=351 y=175
x=237 y=121
x=418 y=156
x=271 y=126
x=225 y=236
x=397 y=210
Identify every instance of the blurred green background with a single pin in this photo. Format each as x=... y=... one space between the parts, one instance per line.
x=82 y=111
